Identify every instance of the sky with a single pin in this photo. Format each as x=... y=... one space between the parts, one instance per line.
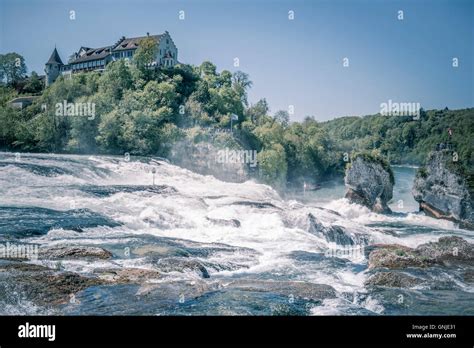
x=295 y=64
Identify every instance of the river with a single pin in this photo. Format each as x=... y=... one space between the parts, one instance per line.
x=243 y=235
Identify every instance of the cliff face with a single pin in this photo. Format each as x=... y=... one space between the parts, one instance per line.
x=369 y=183
x=442 y=190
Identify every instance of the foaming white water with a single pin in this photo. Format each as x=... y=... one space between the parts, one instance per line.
x=364 y=216
x=200 y=211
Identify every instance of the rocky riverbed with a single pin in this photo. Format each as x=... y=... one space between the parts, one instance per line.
x=105 y=240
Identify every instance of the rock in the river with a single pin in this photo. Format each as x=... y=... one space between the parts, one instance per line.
x=175 y=264
x=392 y=280
x=41 y=285
x=334 y=233
x=397 y=256
x=369 y=181
x=127 y=275
x=224 y=222
x=286 y=288
x=446 y=250
x=73 y=252
x=444 y=189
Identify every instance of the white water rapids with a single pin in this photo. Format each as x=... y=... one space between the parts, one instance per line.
x=272 y=241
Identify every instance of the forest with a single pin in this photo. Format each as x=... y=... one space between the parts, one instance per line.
x=145 y=111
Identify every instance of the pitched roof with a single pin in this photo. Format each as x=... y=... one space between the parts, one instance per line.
x=122 y=45
x=133 y=42
x=55 y=59
x=93 y=54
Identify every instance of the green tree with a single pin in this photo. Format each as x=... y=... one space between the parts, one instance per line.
x=283 y=117
x=33 y=85
x=273 y=166
x=12 y=68
x=116 y=79
x=146 y=52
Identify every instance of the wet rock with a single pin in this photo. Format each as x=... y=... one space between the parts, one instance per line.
x=128 y=275
x=286 y=288
x=159 y=251
x=174 y=264
x=108 y=190
x=445 y=251
x=31 y=221
x=177 y=291
x=393 y=280
x=395 y=257
x=369 y=181
x=73 y=252
x=40 y=284
x=223 y=222
x=334 y=233
x=444 y=189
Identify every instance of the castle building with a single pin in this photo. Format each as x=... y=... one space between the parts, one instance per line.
x=96 y=59
x=53 y=67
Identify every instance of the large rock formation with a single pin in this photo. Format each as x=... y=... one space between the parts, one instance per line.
x=41 y=285
x=447 y=250
x=398 y=266
x=443 y=190
x=369 y=180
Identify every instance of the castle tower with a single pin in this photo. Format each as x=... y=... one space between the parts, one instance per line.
x=53 y=67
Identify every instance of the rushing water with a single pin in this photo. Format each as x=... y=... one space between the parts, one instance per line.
x=112 y=203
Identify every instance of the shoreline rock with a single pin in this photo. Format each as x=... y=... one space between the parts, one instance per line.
x=443 y=189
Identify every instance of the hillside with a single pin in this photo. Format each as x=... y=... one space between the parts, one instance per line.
x=404 y=140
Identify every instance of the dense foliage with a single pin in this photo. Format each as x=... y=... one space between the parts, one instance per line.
x=143 y=110
x=405 y=140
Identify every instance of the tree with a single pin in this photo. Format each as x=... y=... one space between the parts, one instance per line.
x=208 y=69
x=116 y=80
x=273 y=166
x=33 y=85
x=283 y=117
x=241 y=83
x=146 y=52
x=258 y=111
x=12 y=68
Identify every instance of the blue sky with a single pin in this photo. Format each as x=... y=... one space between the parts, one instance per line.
x=298 y=62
